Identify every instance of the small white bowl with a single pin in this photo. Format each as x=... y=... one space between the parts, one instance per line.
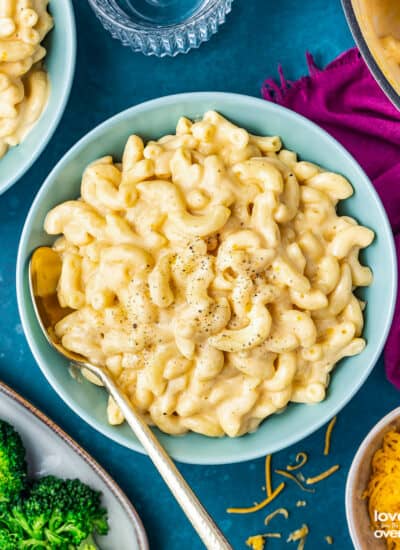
x=357 y=480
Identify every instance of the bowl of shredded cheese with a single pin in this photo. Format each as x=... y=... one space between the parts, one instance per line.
x=37 y=64
x=373 y=488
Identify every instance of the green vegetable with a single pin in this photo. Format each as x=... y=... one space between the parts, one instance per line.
x=46 y=514
x=56 y=514
x=87 y=544
x=8 y=541
x=13 y=469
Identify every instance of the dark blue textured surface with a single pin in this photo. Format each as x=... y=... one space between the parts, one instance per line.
x=257 y=36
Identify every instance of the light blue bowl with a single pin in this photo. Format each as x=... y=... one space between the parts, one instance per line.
x=60 y=64
x=152 y=120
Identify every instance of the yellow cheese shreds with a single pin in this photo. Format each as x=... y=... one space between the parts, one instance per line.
x=301 y=503
x=301 y=459
x=258 y=506
x=300 y=535
x=383 y=489
x=268 y=483
x=329 y=539
x=322 y=475
x=257 y=542
x=328 y=435
x=276 y=512
x=293 y=478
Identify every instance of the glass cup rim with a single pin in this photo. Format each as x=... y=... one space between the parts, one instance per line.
x=127 y=24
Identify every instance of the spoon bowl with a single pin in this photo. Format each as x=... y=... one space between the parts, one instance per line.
x=44 y=273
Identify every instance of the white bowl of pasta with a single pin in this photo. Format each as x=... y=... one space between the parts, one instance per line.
x=38 y=51
x=209 y=270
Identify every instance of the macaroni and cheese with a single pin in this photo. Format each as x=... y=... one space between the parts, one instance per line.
x=210 y=273
x=379 y=21
x=23 y=82
x=391 y=46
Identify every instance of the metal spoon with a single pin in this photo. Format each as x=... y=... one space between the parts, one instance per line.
x=44 y=273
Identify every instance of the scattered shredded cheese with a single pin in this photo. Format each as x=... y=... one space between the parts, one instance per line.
x=257 y=542
x=293 y=478
x=299 y=534
x=260 y=505
x=276 y=512
x=301 y=459
x=328 y=435
x=322 y=475
x=268 y=483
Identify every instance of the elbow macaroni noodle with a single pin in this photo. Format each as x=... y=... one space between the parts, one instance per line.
x=391 y=45
x=211 y=275
x=23 y=82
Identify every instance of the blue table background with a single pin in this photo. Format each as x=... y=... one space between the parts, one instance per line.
x=257 y=36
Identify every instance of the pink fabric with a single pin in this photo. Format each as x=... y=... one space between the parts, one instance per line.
x=346 y=101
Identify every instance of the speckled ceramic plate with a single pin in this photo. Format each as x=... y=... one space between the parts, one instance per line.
x=52 y=451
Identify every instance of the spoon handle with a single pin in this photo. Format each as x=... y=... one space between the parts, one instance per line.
x=190 y=504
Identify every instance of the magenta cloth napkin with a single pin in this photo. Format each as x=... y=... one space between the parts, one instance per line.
x=346 y=101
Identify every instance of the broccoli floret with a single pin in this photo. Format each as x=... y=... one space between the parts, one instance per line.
x=13 y=468
x=8 y=541
x=48 y=514
x=57 y=514
x=87 y=544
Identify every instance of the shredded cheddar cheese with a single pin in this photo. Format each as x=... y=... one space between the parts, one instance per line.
x=281 y=511
x=299 y=534
x=322 y=475
x=260 y=505
x=294 y=478
x=383 y=491
x=328 y=435
x=268 y=483
x=301 y=459
x=257 y=542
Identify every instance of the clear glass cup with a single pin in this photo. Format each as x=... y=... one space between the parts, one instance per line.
x=162 y=27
